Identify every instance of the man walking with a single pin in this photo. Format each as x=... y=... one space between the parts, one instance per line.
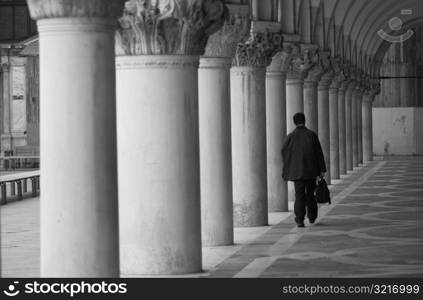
x=303 y=162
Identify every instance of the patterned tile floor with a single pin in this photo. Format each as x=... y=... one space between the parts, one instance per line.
x=374 y=228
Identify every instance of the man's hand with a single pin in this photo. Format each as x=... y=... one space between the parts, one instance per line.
x=322 y=175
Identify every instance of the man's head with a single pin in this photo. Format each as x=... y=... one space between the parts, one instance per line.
x=299 y=119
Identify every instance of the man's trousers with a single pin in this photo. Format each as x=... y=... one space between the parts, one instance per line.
x=305 y=200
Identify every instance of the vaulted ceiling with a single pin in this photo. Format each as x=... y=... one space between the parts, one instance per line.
x=348 y=28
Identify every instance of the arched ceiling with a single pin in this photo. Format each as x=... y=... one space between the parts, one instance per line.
x=349 y=28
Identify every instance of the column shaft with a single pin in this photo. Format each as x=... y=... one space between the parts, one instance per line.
x=249 y=164
x=367 y=130
x=334 y=133
x=348 y=126
x=360 y=127
x=310 y=105
x=79 y=229
x=324 y=133
x=215 y=151
x=354 y=127
x=342 y=132
x=159 y=172
x=294 y=101
x=276 y=134
x=294 y=104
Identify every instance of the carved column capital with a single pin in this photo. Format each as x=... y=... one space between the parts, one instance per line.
x=337 y=81
x=344 y=85
x=329 y=73
x=348 y=70
x=360 y=88
x=302 y=60
x=339 y=75
x=375 y=89
x=351 y=85
x=44 y=9
x=317 y=70
x=173 y=27
x=5 y=67
x=235 y=30
x=280 y=62
x=258 y=50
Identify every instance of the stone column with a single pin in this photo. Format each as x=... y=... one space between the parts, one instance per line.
x=342 y=130
x=248 y=113
x=368 y=122
x=310 y=105
x=79 y=200
x=5 y=134
x=334 y=127
x=215 y=131
x=367 y=134
x=158 y=134
x=298 y=64
x=294 y=99
x=324 y=128
x=360 y=124
x=294 y=104
x=354 y=126
x=276 y=132
x=348 y=124
x=310 y=96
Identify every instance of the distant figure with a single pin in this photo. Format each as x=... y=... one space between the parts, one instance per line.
x=303 y=163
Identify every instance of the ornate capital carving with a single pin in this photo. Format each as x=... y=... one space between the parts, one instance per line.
x=235 y=30
x=177 y=27
x=258 y=50
x=280 y=62
x=317 y=70
x=351 y=85
x=5 y=67
x=338 y=80
x=344 y=85
x=374 y=88
x=339 y=76
x=302 y=60
x=329 y=73
x=43 y=9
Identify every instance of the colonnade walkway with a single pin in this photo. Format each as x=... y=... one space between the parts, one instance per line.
x=374 y=228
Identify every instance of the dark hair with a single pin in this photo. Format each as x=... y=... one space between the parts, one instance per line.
x=299 y=119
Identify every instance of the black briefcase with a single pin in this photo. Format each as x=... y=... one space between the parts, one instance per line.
x=322 y=193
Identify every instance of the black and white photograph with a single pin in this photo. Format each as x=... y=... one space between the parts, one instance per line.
x=271 y=148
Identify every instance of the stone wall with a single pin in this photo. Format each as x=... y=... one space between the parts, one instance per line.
x=398 y=131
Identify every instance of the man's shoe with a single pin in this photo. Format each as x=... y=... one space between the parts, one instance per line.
x=312 y=221
x=300 y=223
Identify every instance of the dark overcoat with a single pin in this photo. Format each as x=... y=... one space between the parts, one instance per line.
x=302 y=155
